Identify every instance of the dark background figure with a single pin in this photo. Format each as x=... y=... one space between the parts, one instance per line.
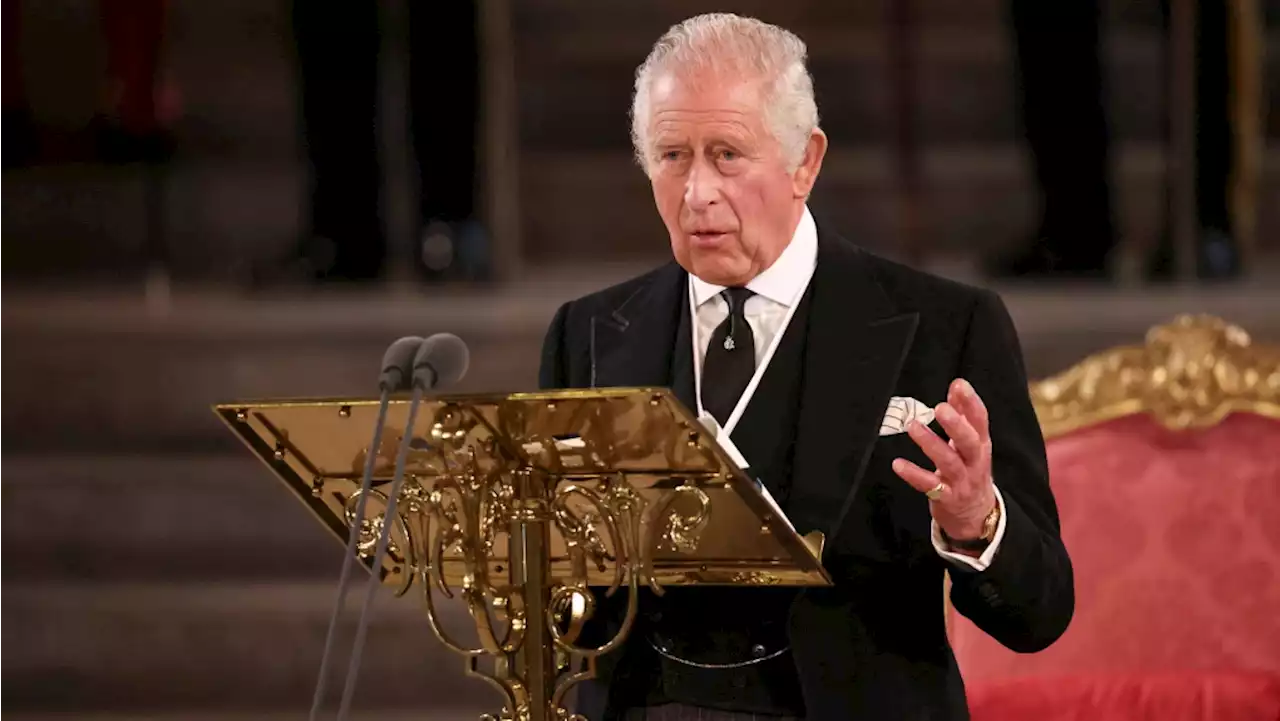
x=344 y=236
x=1062 y=109
x=18 y=123
x=135 y=125
x=1217 y=248
x=135 y=109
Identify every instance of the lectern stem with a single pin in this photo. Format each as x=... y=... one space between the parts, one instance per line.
x=531 y=572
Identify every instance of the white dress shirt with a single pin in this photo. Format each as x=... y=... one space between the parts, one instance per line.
x=777 y=292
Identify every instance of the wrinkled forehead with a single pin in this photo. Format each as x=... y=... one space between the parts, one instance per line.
x=706 y=90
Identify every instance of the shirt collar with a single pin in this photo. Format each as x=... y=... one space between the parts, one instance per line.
x=785 y=280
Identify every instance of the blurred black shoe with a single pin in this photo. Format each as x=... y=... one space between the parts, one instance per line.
x=313 y=262
x=1217 y=258
x=117 y=145
x=21 y=138
x=1039 y=263
x=454 y=252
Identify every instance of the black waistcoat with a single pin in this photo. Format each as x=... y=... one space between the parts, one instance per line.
x=721 y=626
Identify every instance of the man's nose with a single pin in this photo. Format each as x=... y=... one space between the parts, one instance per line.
x=702 y=188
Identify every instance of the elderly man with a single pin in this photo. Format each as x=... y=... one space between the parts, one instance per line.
x=797 y=342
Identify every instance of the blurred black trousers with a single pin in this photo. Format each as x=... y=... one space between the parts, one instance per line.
x=1062 y=108
x=680 y=712
x=1059 y=74
x=1215 y=145
x=338 y=42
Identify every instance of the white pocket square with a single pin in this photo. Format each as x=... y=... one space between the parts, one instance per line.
x=901 y=411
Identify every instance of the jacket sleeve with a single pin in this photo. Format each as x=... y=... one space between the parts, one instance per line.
x=1025 y=598
x=552 y=371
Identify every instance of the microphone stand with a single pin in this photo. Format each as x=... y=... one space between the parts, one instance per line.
x=353 y=668
x=392 y=379
x=344 y=578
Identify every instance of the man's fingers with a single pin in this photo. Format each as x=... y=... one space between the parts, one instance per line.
x=964 y=437
x=917 y=477
x=944 y=457
x=965 y=399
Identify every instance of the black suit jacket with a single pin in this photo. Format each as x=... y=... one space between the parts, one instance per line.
x=873 y=646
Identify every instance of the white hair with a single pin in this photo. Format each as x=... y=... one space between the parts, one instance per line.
x=733 y=46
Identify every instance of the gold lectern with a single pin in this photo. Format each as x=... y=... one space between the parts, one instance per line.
x=518 y=504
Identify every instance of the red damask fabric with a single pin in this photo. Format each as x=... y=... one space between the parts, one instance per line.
x=1189 y=696
x=1175 y=541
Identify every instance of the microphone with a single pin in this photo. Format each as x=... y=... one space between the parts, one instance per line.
x=397 y=364
x=395 y=376
x=440 y=361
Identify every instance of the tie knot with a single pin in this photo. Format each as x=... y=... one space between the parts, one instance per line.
x=737 y=299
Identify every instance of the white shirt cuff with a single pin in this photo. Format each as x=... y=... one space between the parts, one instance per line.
x=982 y=562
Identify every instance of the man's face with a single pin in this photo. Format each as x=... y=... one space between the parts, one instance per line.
x=719 y=177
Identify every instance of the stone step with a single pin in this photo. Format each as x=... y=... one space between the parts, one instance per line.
x=157 y=369
x=422 y=714
x=236 y=649
x=202 y=219
x=135 y=378
x=160 y=362
x=158 y=519
x=216 y=219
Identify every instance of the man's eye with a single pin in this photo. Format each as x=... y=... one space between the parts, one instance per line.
x=671 y=155
x=728 y=155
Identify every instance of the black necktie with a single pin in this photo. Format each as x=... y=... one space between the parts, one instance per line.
x=731 y=359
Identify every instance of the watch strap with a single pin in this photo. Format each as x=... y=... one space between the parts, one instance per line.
x=989 y=526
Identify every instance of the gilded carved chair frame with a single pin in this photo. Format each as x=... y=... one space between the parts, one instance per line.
x=1190 y=373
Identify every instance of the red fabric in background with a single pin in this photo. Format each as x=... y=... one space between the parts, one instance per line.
x=1175 y=541
x=134 y=33
x=12 y=92
x=1192 y=696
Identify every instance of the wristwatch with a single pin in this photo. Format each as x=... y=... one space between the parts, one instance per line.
x=989 y=525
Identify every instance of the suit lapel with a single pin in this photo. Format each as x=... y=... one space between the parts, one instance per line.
x=857 y=343
x=682 y=383
x=646 y=340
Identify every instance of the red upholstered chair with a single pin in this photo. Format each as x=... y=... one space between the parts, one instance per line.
x=1165 y=462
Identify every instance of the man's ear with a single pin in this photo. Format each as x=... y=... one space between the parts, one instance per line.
x=806 y=175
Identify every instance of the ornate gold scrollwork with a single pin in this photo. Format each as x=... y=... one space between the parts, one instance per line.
x=401 y=552
x=464 y=513
x=616 y=508
x=581 y=530
x=471 y=494
x=467 y=509
x=755 y=578
x=1190 y=373
x=523 y=715
x=678 y=529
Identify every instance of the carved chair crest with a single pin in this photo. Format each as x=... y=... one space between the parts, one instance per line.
x=1190 y=373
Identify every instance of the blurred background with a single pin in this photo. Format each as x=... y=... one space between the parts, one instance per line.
x=212 y=201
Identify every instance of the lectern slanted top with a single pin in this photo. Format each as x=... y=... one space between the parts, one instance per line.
x=522 y=502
